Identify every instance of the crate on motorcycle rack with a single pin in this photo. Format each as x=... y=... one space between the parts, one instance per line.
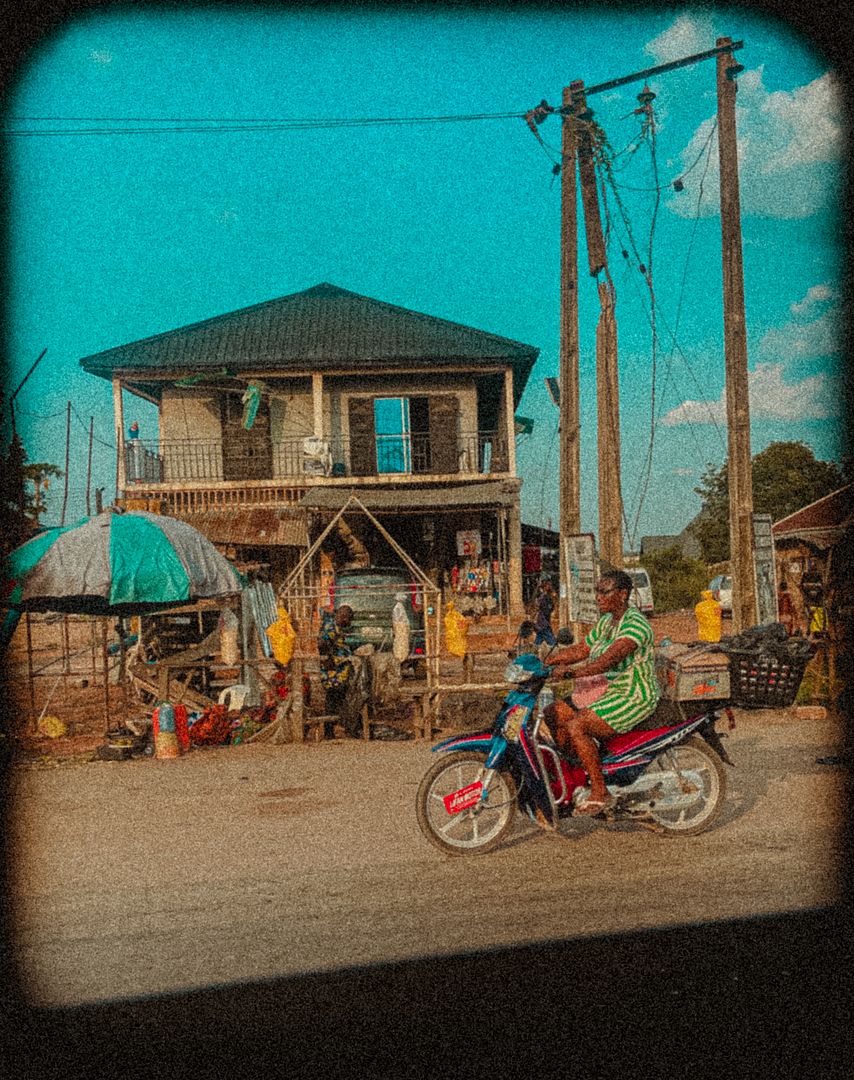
x=765 y=680
x=695 y=672
x=766 y=666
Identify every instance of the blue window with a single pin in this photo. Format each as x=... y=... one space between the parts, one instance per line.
x=393 y=435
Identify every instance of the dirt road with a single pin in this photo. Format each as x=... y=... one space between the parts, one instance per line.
x=139 y=877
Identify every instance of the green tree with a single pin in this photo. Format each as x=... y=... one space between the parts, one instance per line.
x=21 y=498
x=786 y=476
x=676 y=580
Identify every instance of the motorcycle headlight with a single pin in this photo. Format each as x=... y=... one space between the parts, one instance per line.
x=515 y=673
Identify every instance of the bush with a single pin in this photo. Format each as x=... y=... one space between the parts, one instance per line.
x=677 y=581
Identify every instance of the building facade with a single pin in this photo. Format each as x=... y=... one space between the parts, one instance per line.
x=269 y=417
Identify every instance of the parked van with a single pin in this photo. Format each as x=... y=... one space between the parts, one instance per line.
x=372 y=593
x=641 y=595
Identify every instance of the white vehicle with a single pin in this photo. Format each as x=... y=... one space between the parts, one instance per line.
x=642 y=592
x=721 y=590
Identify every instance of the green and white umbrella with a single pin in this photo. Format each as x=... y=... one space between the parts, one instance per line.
x=116 y=563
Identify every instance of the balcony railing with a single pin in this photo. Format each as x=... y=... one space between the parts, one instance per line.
x=178 y=460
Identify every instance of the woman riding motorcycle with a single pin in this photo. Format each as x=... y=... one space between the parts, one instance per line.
x=620 y=646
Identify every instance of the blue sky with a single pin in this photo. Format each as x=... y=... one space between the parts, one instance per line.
x=119 y=234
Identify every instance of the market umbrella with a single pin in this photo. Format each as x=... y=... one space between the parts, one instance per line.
x=119 y=562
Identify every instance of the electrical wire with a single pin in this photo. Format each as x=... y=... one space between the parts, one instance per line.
x=222 y=126
x=653 y=314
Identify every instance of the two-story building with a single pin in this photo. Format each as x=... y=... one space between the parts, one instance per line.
x=271 y=416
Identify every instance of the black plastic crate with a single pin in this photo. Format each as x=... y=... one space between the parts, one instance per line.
x=765 y=680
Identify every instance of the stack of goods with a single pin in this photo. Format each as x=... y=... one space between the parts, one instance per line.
x=211 y=727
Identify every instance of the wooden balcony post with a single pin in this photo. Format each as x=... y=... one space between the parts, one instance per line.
x=510 y=421
x=317 y=404
x=119 y=417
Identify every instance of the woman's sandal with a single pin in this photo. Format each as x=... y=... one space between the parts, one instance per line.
x=595 y=807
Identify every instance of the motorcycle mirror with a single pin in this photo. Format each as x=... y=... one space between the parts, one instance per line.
x=564 y=636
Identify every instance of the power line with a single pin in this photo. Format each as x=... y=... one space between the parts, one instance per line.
x=223 y=126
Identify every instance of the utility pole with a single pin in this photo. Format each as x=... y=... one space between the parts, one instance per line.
x=570 y=445
x=607 y=378
x=610 y=496
x=735 y=351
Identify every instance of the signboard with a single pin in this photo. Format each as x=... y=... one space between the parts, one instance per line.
x=468 y=542
x=764 y=570
x=580 y=556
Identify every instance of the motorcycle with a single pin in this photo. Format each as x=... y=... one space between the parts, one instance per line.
x=667 y=776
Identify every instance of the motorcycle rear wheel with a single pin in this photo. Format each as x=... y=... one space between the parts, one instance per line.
x=694 y=784
x=477 y=829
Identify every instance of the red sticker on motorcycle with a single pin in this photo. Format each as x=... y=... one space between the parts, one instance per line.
x=464 y=798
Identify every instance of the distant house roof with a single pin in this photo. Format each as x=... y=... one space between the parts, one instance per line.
x=822 y=523
x=321 y=328
x=685 y=541
x=539 y=536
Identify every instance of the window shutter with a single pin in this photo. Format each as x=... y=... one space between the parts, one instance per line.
x=246 y=455
x=444 y=421
x=363 y=454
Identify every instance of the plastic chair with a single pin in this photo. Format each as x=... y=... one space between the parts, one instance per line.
x=234 y=697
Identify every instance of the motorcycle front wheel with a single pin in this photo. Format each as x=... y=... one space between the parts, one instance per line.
x=462 y=808
x=691 y=788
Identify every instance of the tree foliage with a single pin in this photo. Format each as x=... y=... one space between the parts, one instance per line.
x=786 y=476
x=676 y=579
x=20 y=483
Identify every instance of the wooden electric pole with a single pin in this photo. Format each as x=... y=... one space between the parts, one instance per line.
x=570 y=446
x=735 y=352
x=607 y=378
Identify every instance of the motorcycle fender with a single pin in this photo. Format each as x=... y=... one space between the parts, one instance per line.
x=484 y=741
x=714 y=740
x=471 y=740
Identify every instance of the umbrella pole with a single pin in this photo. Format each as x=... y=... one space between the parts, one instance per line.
x=66 y=658
x=106 y=663
x=33 y=721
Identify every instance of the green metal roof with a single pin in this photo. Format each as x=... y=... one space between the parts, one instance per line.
x=321 y=328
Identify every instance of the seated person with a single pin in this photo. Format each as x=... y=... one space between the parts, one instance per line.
x=619 y=646
x=336 y=669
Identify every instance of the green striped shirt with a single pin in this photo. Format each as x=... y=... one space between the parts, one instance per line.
x=632 y=686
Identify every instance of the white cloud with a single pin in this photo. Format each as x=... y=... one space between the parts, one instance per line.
x=794 y=342
x=101 y=56
x=804 y=125
x=785 y=139
x=689 y=34
x=817 y=294
x=813 y=332
x=813 y=398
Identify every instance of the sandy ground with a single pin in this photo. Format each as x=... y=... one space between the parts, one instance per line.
x=252 y=862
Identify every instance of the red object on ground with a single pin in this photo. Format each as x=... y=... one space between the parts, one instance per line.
x=181 y=728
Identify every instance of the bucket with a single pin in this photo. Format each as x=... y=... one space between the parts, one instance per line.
x=166 y=745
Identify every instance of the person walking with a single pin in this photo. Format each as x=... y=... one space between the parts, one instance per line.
x=543 y=617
